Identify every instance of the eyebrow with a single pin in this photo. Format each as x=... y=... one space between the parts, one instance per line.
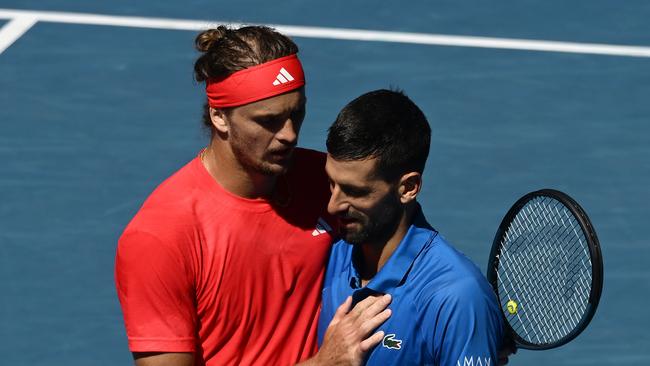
x=261 y=114
x=354 y=188
x=265 y=114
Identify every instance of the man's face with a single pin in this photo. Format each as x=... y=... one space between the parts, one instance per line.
x=367 y=206
x=263 y=134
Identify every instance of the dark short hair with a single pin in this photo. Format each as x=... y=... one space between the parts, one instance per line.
x=226 y=50
x=383 y=124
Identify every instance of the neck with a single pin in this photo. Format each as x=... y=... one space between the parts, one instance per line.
x=219 y=160
x=373 y=256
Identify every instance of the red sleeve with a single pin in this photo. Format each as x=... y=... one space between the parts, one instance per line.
x=156 y=292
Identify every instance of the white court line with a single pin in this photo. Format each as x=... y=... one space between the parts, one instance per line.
x=340 y=33
x=14 y=30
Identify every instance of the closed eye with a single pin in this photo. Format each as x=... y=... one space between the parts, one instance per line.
x=267 y=120
x=355 y=191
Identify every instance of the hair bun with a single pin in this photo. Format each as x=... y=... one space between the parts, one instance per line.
x=207 y=38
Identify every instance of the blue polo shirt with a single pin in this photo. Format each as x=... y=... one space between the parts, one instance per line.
x=444 y=312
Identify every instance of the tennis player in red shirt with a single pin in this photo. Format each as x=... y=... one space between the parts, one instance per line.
x=224 y=262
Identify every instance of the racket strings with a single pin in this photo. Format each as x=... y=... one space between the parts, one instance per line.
x=547 y=287
x=546 y=256
x=545 y=267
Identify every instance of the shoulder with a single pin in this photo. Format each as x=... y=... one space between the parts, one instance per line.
x=177 y=190
x=308 y=180
x=308 y=163
x=308 y=167
x=453 y=290
x=304 y=154
x=448 y=276
x=169 y=209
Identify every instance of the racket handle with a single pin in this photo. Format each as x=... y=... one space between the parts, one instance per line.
x=508 y=348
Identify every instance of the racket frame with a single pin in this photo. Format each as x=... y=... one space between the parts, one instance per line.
x=594 y=252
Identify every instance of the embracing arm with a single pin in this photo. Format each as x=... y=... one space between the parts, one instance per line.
x=349 y=335
x=347 y=339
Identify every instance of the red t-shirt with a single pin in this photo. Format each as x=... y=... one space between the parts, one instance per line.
x=235 y=280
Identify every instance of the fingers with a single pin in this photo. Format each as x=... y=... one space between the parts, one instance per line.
x=343 y=309
x=370 y=313
x=363 y=319
x=371 y=305
x=374 y=313
x=367 y=344
x=374 y=321
x=349 y=335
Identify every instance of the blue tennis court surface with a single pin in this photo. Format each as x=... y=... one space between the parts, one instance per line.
x=93 y=117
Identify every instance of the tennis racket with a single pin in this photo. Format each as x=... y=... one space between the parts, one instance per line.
x=546 y=269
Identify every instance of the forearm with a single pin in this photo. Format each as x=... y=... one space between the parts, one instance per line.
x=351 y=333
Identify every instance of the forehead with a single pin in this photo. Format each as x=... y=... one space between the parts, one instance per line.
x=275 y=105
x=351 y=172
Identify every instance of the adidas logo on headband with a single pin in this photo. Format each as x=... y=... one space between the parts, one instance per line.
x=252 y=84
x=283 y=77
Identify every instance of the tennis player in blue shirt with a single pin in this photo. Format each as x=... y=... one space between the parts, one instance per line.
x=443 y=310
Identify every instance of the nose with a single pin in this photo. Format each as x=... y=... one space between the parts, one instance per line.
x=288 y=134
x=337 y=205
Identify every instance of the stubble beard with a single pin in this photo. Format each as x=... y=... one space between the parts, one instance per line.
x=250 y=164
x=373 y=231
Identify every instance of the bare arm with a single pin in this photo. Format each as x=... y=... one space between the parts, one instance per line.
x=163 y=359
x=348 y=337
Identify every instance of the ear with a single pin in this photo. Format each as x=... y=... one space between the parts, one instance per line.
x=218 y=118
x=409 y=186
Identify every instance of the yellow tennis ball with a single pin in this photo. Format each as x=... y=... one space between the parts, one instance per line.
x=512 y=306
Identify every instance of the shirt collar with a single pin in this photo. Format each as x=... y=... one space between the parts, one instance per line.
x=395 y=270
